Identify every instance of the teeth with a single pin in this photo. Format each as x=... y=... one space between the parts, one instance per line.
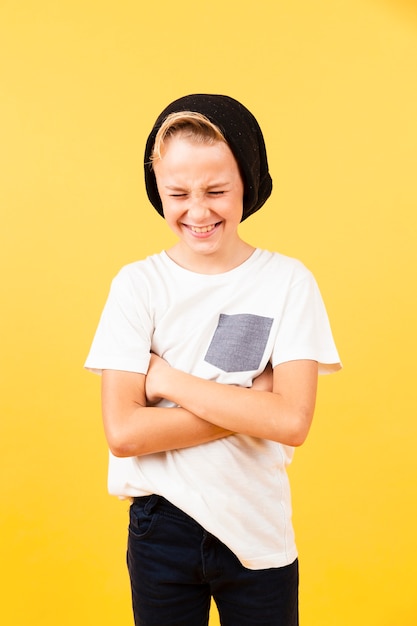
x=203 y=229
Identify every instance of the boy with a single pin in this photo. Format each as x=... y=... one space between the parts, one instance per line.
x=209 y=354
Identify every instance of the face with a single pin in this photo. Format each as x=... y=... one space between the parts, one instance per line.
x=202 y=197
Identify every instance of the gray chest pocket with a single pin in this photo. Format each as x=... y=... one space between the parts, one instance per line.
x=239 y=342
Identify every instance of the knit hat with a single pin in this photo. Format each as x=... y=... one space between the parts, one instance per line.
x=243 y=135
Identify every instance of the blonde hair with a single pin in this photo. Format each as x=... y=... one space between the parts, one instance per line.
x=189 y=125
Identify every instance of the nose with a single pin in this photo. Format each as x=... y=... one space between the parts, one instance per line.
x=198 y=208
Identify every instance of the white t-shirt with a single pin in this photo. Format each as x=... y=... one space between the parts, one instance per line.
x=223 y=327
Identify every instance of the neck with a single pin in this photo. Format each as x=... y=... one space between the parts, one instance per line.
x=211 y=263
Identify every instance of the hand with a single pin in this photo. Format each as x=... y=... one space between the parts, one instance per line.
x=157 y=369
x=264 y=381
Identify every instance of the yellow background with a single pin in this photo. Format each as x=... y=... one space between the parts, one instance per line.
x=333 y=85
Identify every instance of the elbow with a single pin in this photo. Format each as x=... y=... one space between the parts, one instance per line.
x=120 y=445
x=299 y=427
x=302 y=424
x=298 y=437
x=119 y=448
x=120 y=452
x=121 y=439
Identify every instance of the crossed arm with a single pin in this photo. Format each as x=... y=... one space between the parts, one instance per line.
x=279 y=406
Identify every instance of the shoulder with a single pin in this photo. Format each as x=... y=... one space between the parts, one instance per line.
x=282 y=265
x=140 y=272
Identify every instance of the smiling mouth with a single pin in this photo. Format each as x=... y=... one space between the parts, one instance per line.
x=203 y=229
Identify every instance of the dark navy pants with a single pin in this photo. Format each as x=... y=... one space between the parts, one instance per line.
x=176 y=567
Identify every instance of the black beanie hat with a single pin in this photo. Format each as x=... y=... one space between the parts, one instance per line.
x=243 y=135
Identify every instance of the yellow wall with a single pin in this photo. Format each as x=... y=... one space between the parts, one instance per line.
x=333 y=84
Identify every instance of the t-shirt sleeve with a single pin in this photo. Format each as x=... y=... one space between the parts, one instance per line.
x=304 y=330
x=123 y=338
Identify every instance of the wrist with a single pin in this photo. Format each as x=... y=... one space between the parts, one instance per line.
x=173 y=385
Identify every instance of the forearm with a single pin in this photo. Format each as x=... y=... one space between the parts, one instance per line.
x=260 y=414
x=146 y=430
